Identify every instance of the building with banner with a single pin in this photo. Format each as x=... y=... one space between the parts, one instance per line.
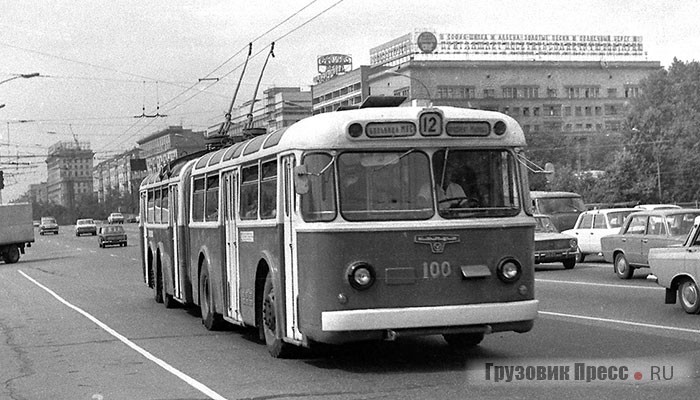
x=577 y=85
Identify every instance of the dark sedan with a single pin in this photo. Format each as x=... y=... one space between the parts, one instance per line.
x=111 y=235
x=644 y=230
x=552 y=246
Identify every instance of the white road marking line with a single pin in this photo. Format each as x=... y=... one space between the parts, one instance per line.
x=186 y=378
x=618 y=321
x=599 y=284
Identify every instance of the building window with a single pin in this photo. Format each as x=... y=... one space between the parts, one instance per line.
x=567 y=111
x=455 y=92
x=552 y=110
x=611 y=109
x=612 y=93
x=588 y=111
x=579 y=111
x=582 y=92
x=598 y=110
x=526 y=92
x=631 y=91
x=489 y=93
x=552 y=93
x=526 y=111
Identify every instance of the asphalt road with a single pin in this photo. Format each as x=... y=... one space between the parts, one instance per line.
x=77 y=322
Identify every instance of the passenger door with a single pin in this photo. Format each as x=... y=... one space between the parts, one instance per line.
x=290 y=256
x=174 y=212
x=633 y=237
x=232 y=288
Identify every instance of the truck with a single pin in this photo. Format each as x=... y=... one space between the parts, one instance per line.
x=16 y=230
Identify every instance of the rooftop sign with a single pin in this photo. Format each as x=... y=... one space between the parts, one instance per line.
x=430 y=45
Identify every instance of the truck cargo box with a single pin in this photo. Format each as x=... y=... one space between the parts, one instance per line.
x=16 y=223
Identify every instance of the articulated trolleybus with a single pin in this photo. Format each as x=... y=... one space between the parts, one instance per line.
x=365 y=224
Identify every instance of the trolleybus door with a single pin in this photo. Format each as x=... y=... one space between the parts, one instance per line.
x=233 y=309
x=144 y=234
x=174 y=212
x=290 y=260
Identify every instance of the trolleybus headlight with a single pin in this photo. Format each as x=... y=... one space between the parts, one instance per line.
x=361 y=275
x=355 y=130
x=509 y=270
x=499 y=128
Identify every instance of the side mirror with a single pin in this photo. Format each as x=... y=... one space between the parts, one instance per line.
x=301 y=179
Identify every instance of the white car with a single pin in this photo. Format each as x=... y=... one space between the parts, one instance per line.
x=592 y=225
x=115 y=218
x=656 y=206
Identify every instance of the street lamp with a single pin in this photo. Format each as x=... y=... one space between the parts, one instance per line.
x=17 y=76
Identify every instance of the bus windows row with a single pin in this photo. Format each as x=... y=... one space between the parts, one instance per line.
x=157 y=210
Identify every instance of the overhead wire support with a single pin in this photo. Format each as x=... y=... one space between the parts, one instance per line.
x=223 y=130
x=143 y=107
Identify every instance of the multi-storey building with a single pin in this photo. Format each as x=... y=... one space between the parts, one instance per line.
x=119 y=175
x=577 y=85
x=168 y=144
x=69 y=166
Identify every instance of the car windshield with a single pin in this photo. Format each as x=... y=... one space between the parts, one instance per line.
x=560 y=205
x=85 y=222
x=544 y=225
x=113 y=229
x=48 y=220
x=680 y=224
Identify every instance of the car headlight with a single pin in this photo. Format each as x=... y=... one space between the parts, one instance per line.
x=361 y=275
x=509 y=270
x=573 y=243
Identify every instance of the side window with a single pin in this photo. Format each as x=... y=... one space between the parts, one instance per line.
x=156 y=216
x=599 y=222
x=151 y=206
x=165 y=210
x=637 y=225
x=249 y=193
x=587 y=221
x=212 y=199
x=268 y=190
x=198 y=200
x=318 y=204
x=656 y=226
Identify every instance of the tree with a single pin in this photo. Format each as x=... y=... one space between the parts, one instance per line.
x=661 y=134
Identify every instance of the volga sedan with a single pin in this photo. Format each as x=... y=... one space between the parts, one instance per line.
x=677 y=269
x=644 y=230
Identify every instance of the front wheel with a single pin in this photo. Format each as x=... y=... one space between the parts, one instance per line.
x=622 y=267
x=270 y=327
x=689 y=296
x=463 y=340
x=570 y=263
x=580 y=256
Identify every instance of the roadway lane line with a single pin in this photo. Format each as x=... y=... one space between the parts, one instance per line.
x=618 y=321
x=599 y=284
x=186 y=378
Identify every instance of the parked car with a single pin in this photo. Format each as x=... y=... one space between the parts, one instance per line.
x=115 y=218
x=644 y=230
x=562 y=207
x=677 y=269
x=592 y=225
x=552 y=246
x=657 y=206
x=48 y=225
x=36 y=223
x=85 y=226
x=111 y=235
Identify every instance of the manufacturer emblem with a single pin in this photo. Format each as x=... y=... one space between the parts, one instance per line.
x=437 y=242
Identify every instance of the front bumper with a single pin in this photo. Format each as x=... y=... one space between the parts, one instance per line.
x=425 y=317
x=554 y=255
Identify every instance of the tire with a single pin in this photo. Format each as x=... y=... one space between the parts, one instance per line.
x=168 y=300
x=463 y=341
x=11 y=256
x=270 y=328
x=211 y=320
x=158 y=285
x=570 y=263
x=622 y=267
x=689 y=296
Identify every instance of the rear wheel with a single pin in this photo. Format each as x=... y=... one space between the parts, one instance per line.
x=270 y=327
x=463 y=340
x=11 y=256
x=210 y=319
x=622 y=267
x=689 y=296
x=168 y=300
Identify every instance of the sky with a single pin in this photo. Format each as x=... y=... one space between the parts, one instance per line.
x=102 y=63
